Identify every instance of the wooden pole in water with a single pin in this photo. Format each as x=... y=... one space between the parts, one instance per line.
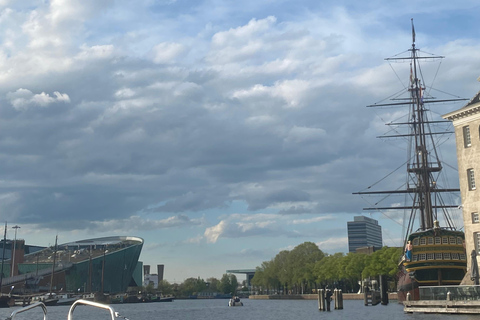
x=338 y=299
x=321 y=300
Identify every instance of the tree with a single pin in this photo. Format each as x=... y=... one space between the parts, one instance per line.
x=382 y=262
x=192 y=286
x=352 y=267
x=165 y=287
x=213 y=284
x=283 y=269
x=228 y=284
x=302 y=261
x=327 y=270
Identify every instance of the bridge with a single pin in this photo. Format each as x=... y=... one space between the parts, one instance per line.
x=248 y=272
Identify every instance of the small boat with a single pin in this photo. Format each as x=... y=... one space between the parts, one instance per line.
x=434 y=252
x=235 y=302
x=166 y=299
x=67 y=299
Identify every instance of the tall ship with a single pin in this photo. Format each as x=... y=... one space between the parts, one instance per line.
x=434 y=252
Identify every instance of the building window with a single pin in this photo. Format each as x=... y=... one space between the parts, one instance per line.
x=438 y=256
x=467 y=140
x=446 y=256
x=430 y=256
x=475 y=217
x=423 y=241
x=430 y=240
x=477 y=241
x=445 y=240
x=438 y=240
x=471 y=179
x=422 y=257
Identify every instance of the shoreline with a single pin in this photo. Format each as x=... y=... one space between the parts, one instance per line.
x=346 y=296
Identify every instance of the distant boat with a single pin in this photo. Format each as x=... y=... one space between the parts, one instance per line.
x=67 y=299
x=166 y=299
x=235 y=302
x=434 y=255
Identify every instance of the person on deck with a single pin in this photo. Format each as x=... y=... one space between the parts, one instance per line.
x=408 y=251
x=328 y=297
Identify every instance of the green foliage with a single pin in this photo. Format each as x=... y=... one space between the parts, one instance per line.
x=165 y=287
x=192 y=286
x=289 y=270
x=382 y=262
x=149 y=288
x=213 y=284
x=306 y=267
x=328 y=270
x=228 y=284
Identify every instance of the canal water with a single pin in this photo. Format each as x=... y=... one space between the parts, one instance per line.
x=252 y=310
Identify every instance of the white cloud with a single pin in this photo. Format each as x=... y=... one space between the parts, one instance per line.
x=167 y=52
x=95 y=52
x=333 y=244
x=22 y=99
x=137 y=223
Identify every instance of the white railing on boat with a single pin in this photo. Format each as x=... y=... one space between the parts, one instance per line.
x=26 y=308
x=113 y=314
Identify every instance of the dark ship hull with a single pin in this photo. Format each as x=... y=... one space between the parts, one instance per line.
x=438 y=258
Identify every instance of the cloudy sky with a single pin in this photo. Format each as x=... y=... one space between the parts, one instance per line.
x=219 y=131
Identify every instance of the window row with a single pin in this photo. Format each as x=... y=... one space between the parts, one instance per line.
x=439 y=256
x=471 y=179
x=467 y=138
x=437 y=240
x=475 y=217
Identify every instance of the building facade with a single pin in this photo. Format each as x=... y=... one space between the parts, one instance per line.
x=153 y=279
x=107 y=265
x=466 y=122
x=363 y=232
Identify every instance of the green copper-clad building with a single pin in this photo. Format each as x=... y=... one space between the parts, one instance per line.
x=107 y=265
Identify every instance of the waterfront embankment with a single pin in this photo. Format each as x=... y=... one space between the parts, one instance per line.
x=346 y=296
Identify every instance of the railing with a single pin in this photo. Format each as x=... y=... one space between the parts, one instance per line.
x=34 y=305
x=113 y=313
x=452 y=292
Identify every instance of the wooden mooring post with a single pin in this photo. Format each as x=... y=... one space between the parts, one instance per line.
x=321 y=300
x=337 y=293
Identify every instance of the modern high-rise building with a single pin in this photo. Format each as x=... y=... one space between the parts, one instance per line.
x=363 y=232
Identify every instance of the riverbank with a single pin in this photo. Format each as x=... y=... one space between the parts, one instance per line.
x=346 y=296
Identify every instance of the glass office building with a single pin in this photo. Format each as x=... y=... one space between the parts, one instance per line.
x=363 y=232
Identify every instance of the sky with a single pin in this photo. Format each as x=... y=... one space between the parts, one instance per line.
x=220 y=132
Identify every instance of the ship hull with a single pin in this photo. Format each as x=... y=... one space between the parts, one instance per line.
x=438 y=259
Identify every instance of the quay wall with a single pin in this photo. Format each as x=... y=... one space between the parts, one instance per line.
x=346 y=296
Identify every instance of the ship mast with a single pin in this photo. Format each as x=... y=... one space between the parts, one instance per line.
x=424 y=160
x=421 y=167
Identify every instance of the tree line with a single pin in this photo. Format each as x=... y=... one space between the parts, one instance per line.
x=191 y=287
x=306 y=268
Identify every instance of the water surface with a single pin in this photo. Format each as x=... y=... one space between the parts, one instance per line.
x=252 y=310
